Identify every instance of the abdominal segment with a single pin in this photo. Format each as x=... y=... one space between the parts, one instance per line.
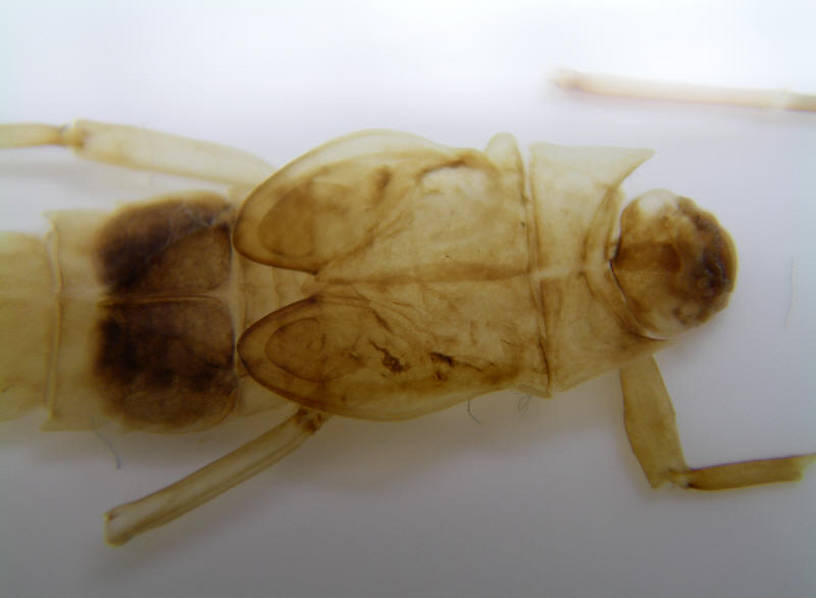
x=167 y=362
x=26 y=322
x=133 y=318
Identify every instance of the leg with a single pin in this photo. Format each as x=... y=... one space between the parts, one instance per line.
x=143 y=149
x=650 y=424
x=675 y=92
x=128 y=520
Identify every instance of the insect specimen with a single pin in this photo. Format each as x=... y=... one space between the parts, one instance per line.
x=379 y=276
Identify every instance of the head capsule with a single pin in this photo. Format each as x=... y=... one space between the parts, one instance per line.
x=674 y=263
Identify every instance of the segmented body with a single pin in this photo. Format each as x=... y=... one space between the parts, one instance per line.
x=380 y=276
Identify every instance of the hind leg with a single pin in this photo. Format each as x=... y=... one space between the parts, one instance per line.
x=128 y=520
x=143 y=149
x=650 y=425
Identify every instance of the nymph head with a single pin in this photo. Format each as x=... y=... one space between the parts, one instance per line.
x=674 y=263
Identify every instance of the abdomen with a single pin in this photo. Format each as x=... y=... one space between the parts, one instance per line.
x=133 y=317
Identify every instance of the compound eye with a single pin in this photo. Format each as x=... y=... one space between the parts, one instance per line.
x=674 y=263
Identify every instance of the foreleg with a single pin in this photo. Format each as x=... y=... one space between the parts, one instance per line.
x=650 y=424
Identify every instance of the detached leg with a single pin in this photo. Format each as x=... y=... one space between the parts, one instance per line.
x=143 y=149
x=133 y=518
x=650 y=423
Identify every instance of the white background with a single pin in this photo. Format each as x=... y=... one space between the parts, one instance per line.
x=539 y=499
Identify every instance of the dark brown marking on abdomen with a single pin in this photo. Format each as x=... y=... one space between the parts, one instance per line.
x=165 y=350
x=167 y=363
x=171 y=246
